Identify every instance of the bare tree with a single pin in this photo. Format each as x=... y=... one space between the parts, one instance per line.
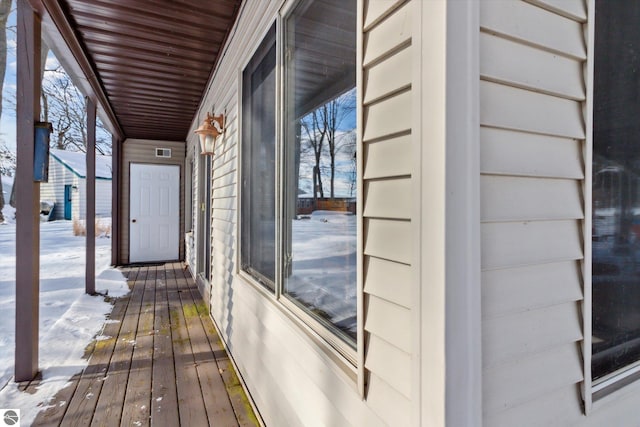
x=339 y=110
x=316 y=131
x=5 y=9
x=323 y=130
x=64 y=106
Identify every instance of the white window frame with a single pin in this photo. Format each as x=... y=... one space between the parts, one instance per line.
x=349 y=358
x=587 y=390
x=242 y=116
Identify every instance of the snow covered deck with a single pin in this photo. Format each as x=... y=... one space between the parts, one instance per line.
x=159 y=361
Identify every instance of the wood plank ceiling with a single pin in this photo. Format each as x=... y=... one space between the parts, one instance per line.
x=153 y=58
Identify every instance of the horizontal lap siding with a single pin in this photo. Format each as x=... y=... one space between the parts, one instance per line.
x=532 y=134
x=525 y=379
x=224 y=214
x=522 y=22
x=518 y=289
x=53 y=190
x=103 y=199
x=387 y=195
x=516 y=153
x=77 y=197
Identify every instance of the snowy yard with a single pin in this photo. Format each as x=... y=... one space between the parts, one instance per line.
x=69 y=319
x=323 y=274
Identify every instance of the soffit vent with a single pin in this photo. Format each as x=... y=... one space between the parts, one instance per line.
x=163 y=152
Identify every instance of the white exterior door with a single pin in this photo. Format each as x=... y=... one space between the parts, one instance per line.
x=154 y=212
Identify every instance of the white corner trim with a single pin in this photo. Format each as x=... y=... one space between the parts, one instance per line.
x=463 y=332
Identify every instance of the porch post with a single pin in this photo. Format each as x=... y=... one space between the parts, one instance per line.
x=115 y=200
x=90 y=275
x=27 y=194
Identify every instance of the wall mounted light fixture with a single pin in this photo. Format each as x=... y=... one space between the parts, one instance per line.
x=210 y=129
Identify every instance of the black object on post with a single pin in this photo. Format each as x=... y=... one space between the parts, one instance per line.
x=41 y=151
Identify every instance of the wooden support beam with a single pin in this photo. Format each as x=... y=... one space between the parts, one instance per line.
x=27 y=194
x=90 y=275
x=115 y=200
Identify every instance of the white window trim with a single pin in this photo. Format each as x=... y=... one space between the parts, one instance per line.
x=587 y=391
x=360 y=342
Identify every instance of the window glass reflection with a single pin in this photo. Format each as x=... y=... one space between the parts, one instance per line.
x=258 y=208
x=616 y=188
x=319 y=268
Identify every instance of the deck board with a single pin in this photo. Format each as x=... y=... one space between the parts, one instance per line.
x=138 y=394
x=190 y=399
x=164 y=397
x=217 y=402
x=111 y=401
x=159 y=362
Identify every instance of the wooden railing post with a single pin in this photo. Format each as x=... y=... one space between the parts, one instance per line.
x=115 y=200
x=90 y=184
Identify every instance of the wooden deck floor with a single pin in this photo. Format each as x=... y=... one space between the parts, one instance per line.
x=162 y=365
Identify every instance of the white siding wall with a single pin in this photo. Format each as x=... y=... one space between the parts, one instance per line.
x=78 y=198
x=53 y=190
x=388 y=63
x=291 y=375
x=532 y=93
x=103 y=199
x=532 y=96
x=533 y=79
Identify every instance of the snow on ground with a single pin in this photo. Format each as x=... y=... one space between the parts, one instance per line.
x=69 y=319
x=324 y=266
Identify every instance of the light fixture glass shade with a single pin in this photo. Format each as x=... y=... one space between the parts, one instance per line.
x=209 y=130
x=207 y=143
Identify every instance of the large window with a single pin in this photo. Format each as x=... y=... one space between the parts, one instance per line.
x=616 y=190
x=258 y=206
x=315 y=180
x=320 y=163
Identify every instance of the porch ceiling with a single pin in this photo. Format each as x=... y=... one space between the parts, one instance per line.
x=148 y=61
